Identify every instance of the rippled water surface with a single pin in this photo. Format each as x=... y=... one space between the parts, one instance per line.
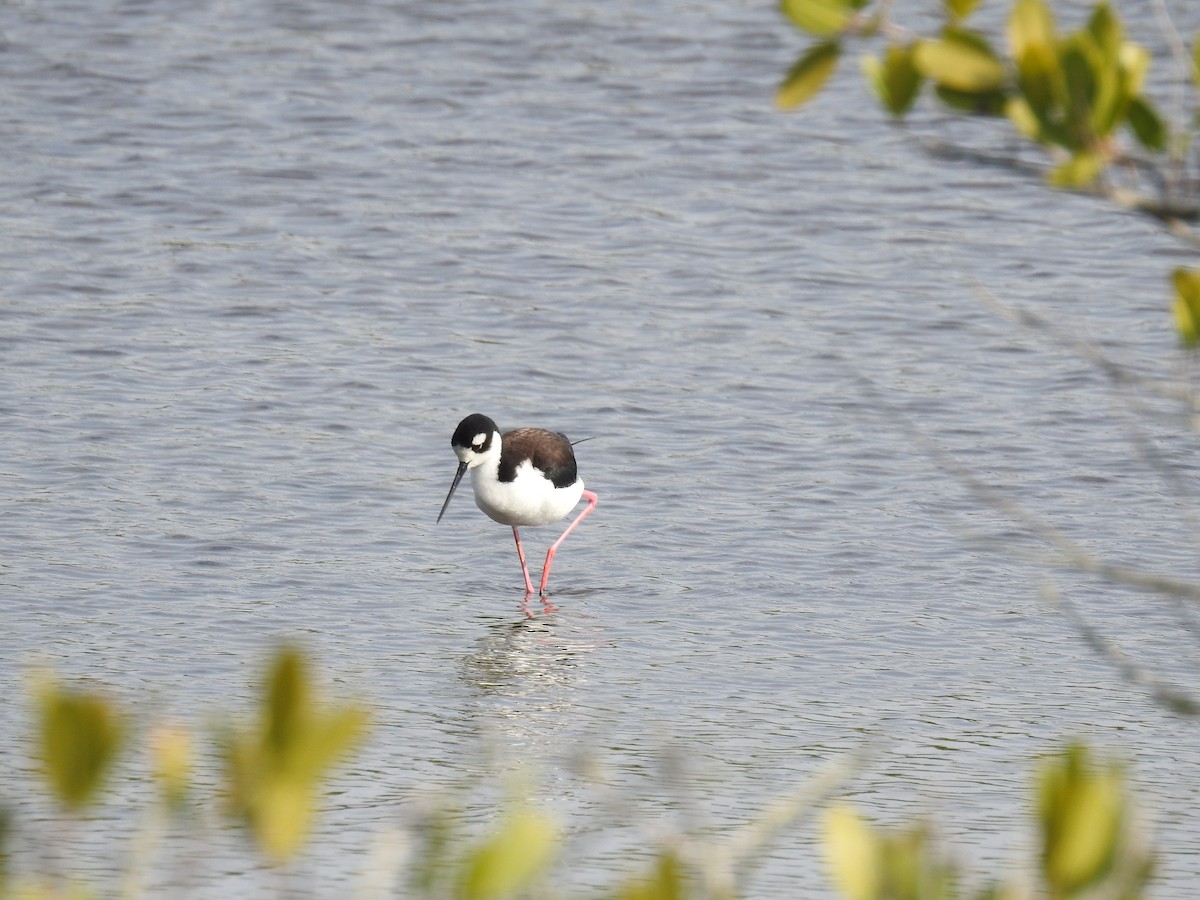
x=258 y=262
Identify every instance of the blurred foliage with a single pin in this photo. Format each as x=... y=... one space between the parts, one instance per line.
x=79 y=734
x=665 y=880
x=171 y=754
x=1088 y=838
x=273 y=769
x=5 y=825
x=1187 y=306
x=1072 y=93
x=872 y=865
x=510 y=859
x=1090 y=843
x=1079 y=94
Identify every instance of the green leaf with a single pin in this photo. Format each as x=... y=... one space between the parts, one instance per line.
x=511 y=859
x=1187 y=305
x=960 y=60
x=80 y=733
x=895 y=79
x=287 y=700
x=821 y=18
x=1146 y=125
x=1196 y=59
x=1077 y=59
x=6 y=830
x=1106 y=32
x=982 y=103
x=808 y=75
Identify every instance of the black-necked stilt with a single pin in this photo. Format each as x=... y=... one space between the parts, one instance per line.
x=527 y=476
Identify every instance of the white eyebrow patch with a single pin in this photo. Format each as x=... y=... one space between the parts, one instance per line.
x=478 y=440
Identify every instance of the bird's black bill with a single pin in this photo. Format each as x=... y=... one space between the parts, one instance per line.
x=462 y=467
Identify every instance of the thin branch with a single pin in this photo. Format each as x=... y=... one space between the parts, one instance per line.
x=1185 y=73
x=746 y=847
x=1173 y=214
x=1069 y=552
x=1122 y=377
x=1166 y=695
x=1118 y=373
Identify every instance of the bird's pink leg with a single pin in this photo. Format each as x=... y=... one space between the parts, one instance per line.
x=591 y=499
x=524 y=568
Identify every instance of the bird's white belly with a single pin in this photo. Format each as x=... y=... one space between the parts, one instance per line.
x=529 y=499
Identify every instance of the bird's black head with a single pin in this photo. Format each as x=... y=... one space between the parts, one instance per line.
x=474 y=433
x=472 y=439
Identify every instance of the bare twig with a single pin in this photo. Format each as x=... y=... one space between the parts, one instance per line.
x=1118 y=373
x=1165 y=695
x=1069 y=552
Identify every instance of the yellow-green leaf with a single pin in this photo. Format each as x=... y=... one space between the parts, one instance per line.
x=665 y=881
x=511 y=859
x=273 y=770
x=1078 y=171
x=1134 y=60
x=1109 y=103
x=281 y=816
x=1023 y=118
x=1040 y=81
x=1187 y=305
x=1087 y=830
x=1032 y=43
x=1031 y=25
x=895 y=78
x=171 y=751
x=80 y=732
x=822 y=18
x=853 y=852
x=1089 y=833
x=1082 y=813
x=808 y=75
x=961 y=61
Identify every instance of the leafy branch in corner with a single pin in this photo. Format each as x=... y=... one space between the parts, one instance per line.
x=1077 y=95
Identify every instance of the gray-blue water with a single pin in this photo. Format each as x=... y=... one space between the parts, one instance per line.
x=258 y=260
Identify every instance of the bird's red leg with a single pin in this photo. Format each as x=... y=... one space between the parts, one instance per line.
x=591 y=499
x=524 y=568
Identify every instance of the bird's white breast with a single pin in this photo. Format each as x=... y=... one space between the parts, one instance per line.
x=529 y=499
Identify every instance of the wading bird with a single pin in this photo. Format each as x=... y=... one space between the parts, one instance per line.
x=526 y=476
